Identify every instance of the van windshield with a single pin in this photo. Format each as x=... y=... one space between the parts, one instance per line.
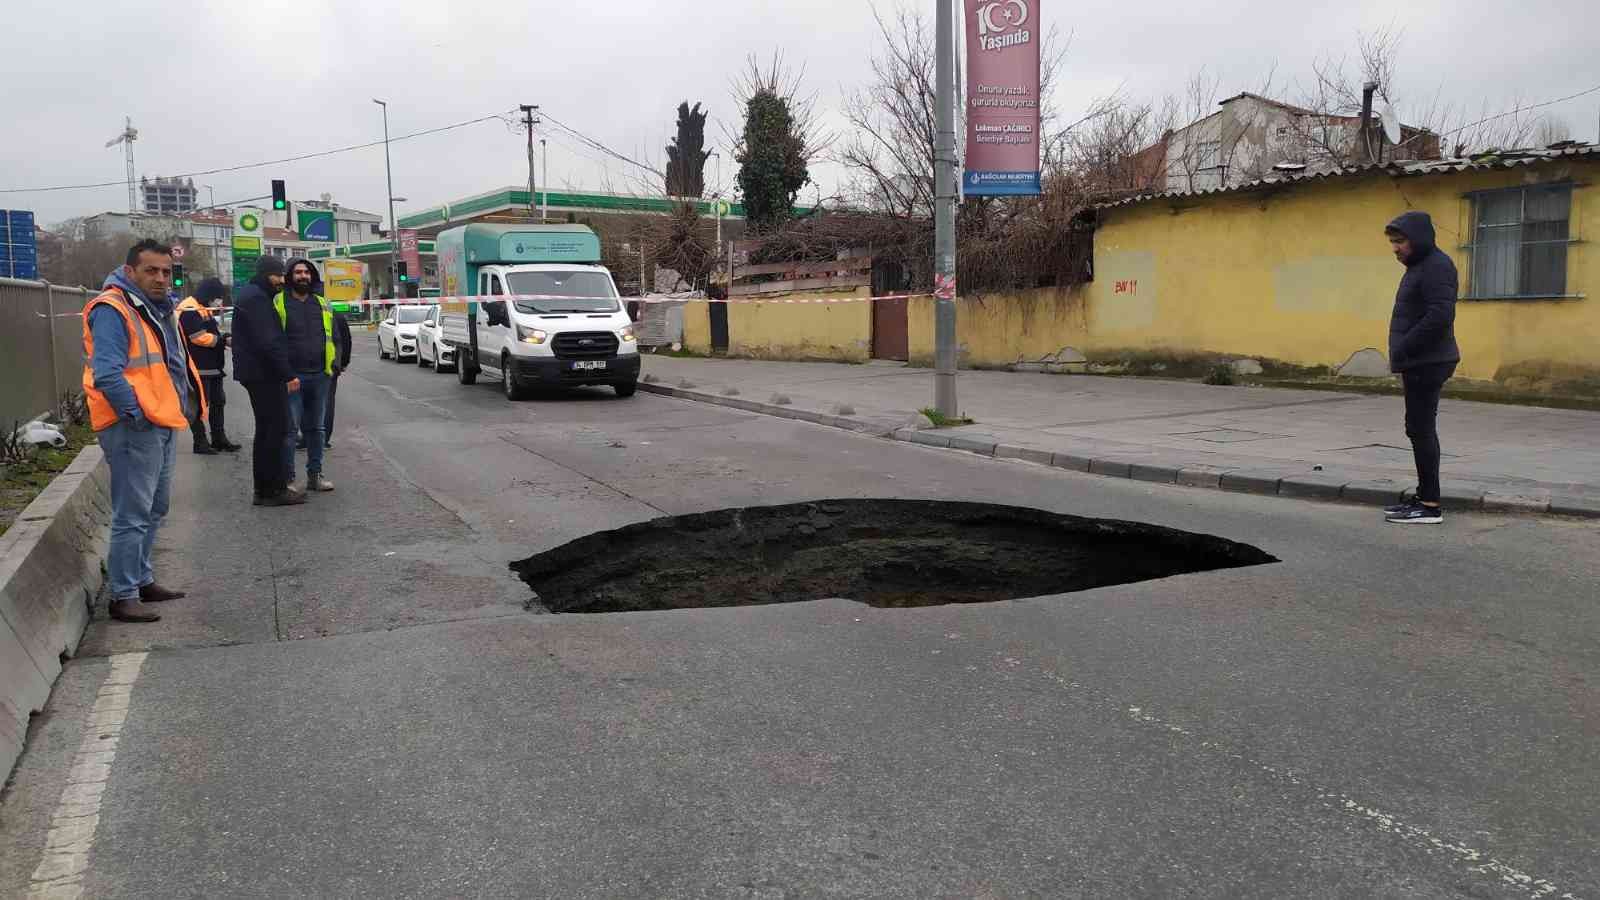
x=562 y=292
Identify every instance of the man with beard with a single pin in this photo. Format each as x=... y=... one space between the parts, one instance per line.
x=308 y=331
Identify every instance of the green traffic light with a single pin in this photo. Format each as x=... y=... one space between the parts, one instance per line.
x=277 y=204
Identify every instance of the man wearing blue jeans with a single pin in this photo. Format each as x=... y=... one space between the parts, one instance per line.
x=308 y=330
x=141 y=389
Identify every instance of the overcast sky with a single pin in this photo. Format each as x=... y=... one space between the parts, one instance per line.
x=211 y=84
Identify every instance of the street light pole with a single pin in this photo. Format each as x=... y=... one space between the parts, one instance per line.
x=216 y=234
x=544 y=195
x=394 y=225
x=944 y=241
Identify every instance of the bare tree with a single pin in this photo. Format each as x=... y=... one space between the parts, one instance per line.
x=894 y=118
x=684 y=242
x=1125 y=149
x=893 y=121
x=81 y=256
x=1552 y=129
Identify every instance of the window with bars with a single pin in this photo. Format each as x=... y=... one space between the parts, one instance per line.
x=1519 y=242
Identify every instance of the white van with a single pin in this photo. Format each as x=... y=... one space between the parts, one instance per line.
x=513 y=310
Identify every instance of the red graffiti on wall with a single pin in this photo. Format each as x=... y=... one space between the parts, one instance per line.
x=1128 y=287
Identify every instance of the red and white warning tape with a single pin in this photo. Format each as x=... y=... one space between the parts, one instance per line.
x=429 y=301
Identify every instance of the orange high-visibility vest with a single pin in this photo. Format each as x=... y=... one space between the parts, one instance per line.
x=146 y=371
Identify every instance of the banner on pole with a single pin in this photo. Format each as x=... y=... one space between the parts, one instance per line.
x=1002 y=110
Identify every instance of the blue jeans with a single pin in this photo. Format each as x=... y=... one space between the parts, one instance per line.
x=308 y=410
x=141 y=461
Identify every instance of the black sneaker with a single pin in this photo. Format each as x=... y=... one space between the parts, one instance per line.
x=1417 y=514
x=1408 y=499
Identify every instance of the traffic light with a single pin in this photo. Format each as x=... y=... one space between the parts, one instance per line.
x=177 y=275
x=400 y=272
x=280 y=197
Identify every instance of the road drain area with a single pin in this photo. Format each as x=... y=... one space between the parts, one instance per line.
x=889 y=553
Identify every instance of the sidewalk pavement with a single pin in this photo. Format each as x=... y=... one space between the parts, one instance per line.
x=1307 y=444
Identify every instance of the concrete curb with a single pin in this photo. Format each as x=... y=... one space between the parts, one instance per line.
x=50 y=572
x=1325 y=486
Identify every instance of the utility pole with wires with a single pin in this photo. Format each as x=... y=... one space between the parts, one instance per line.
x=529 y=120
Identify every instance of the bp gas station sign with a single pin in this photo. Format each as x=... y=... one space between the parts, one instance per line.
x=247 y=246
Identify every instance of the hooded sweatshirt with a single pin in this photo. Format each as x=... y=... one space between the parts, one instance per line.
x=259 y=351
x=303 y=323
x=1422 y=327
x=111 y=350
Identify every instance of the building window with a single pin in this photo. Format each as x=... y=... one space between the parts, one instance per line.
x=1520 y=237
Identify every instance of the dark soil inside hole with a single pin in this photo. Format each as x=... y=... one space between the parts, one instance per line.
x=889 y=553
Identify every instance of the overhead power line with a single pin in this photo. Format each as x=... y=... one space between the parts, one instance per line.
x=1523 y=109
x=270 y=162
x=601 y=147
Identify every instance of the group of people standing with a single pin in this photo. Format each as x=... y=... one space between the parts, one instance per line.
x=289 y=349
x=152 y=367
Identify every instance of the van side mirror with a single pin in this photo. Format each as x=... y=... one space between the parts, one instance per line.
x=497 y=316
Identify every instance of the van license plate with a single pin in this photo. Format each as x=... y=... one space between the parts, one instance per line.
x=589 y=364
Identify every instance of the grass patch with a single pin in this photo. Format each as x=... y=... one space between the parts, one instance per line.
x=1221 y=373
x=25 y=479
x=940 y=420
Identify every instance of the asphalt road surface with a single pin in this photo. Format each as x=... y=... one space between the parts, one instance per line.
x=354 y=701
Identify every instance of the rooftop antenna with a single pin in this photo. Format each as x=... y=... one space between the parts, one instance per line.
x=128 y=136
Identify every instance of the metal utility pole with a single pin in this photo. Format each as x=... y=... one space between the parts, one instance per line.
x=944 y=239
x=216 y=233
x=529 y=121
x=544 y=196
x=394 y=224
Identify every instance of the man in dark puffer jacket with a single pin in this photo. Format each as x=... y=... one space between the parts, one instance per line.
x=1423 y=351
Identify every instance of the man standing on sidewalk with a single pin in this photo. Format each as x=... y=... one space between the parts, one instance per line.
x=342 y=345
x=206 y=345
x=261 y=364
x=308 y=330
x=1423 y=351
x=141 y=388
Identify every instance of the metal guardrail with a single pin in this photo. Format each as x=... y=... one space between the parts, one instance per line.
x=41 y=346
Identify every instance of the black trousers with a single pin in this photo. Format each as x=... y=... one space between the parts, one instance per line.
x=269 y=400
x=327 y=420
x=216 y=399
x=1423 y=386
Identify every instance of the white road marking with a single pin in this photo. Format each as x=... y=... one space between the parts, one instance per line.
x=1476 y=861
x=59 y=875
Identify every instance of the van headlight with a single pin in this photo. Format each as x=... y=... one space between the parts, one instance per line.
x=531 y=335
x=627 y=333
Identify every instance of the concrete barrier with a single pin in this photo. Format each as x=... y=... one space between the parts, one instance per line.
x=51 y=568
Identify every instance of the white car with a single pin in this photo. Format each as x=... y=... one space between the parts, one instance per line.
x=431 y=349
x=397 y=333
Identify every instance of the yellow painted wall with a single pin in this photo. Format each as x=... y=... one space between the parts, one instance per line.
x=697 y=327
x=1305 y=275
x=774 y=330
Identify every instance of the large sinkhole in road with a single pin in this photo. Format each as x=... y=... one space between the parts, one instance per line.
x=889 y=553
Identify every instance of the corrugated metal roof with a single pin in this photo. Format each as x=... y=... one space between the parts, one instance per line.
x=1505 y=159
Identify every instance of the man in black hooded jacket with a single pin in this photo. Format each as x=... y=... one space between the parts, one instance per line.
x=1423 y=351
x=261 y=364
